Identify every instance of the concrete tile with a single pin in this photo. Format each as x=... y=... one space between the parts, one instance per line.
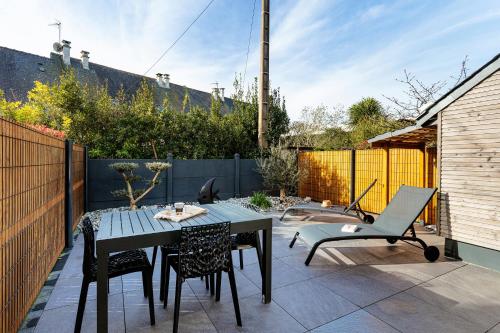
x=244 y=286
x=356 y=322
x=282 y=249
x=319 y=266
x=192 y=316
x=410 y=314
x=359 y=288
x=67 y=291
x=476 y=280
x=484 y=311
x=255 y=316
x=419 y=271
x=62 y=319
x=312 y=304
x=249 y=257
x=495 y=329
x=282 y=274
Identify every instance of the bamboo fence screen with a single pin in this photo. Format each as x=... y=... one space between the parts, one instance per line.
x=329 y=176
x=32 y=215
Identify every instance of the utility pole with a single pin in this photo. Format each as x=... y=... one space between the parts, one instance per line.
x=264 y=74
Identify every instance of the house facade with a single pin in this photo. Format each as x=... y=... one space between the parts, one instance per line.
x=464 y=124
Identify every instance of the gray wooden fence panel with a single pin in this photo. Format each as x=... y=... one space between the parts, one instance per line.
x=187 y=178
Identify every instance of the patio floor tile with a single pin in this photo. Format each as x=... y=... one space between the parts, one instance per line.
x=484 y=311
x=192 y=317
x=67 y=291
x=410 y=314
x=355 y=285
x=356 y=322
x=282 y=274
x=255 y=316
x=312 y=304
x=63 y=318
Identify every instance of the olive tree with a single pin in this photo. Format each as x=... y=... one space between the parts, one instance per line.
x=126 y=169
x=280 y=171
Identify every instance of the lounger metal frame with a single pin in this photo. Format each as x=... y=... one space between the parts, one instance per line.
x=431 y=253
x=354 y=206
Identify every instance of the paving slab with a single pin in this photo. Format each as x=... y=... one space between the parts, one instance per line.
x=476 y=308
x=312 y=304
x=357 y=322
x=282 y=274
x=359 y=288
x=62 y=319
x=255 y=316
x=408 y=313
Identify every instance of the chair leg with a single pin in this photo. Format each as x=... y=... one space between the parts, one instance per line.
x=153 y=260
x=162 y=274
x=145 y=283
x=166 y=283
x=178 y=289
x=81 y=304
x=212 y=284
x=240 y=251
x=258 y=248
x=218 y=286
x=150 y=297
x=234 y=293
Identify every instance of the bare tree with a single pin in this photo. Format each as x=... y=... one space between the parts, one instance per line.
x=418 y=94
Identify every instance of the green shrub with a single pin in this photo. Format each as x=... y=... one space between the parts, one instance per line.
x=260 y=200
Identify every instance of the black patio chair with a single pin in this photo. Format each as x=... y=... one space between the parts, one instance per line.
x=119 y=264
x=204 y=250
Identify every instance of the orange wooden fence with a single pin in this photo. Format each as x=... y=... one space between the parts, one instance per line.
x=329 y=175
x=32 y=233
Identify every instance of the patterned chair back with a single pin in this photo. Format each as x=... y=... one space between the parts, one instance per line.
x=89 y=247
x=204 y=249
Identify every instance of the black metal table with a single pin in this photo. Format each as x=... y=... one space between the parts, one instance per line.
x=126 y=230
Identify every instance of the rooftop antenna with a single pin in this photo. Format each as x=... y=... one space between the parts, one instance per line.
x=58 y=24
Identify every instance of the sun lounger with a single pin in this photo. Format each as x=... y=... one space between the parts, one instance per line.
x=353 y=207
x=392 y=225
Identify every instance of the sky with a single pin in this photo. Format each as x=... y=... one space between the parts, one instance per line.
x=323 y=52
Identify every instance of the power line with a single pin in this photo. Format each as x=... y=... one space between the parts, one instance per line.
x=178 y=38
x=249 y=40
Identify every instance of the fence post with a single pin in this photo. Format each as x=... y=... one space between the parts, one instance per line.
x=85 y=179
x=170 y=178
x=68 y=193
x=387 y=171
x=353 y=176
x=237 y=193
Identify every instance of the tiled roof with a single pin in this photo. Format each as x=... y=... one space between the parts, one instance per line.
x=19 y=70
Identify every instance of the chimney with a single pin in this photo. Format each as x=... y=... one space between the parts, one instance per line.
x=215 y=93
x=66 y=48
x=166 y=79
x=85 y=59
x=159 y=80
x=221 y=90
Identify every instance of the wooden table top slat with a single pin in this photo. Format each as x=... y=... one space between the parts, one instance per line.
x=127 y=228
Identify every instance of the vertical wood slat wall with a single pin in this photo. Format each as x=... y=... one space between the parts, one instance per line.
x=329 y=176
x=31 y=216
